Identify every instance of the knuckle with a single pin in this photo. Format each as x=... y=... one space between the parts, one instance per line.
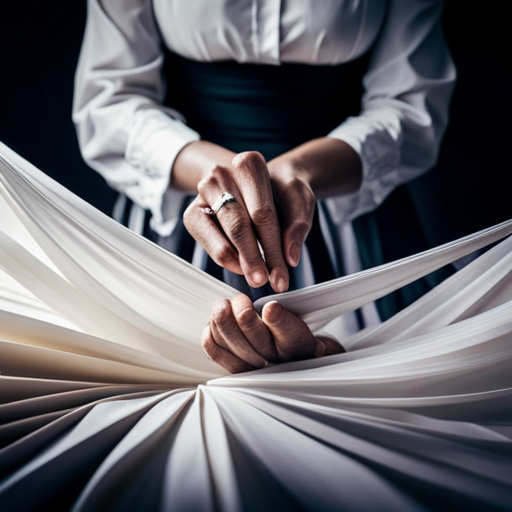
x=224 y=255
x=246 y=318
x=203 y=185
x=248 y=158
x=210 y=348
x=241 y=301
x=296 y=183
x=216 y=175
x=239 y=230
x=218 y=171
x=264 y=215
x=300 y=187
x=301 y=226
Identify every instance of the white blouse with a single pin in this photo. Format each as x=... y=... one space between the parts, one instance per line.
x=132 y=139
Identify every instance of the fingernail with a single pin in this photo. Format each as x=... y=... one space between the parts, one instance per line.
x=258 y=279
x=272 y=311
x=294 y=253
x=282 y=285
x=279 y=280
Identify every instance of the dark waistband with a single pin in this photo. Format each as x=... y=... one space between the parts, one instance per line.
x=262 y=107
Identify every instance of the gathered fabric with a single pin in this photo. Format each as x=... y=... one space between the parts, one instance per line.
x=107 y=401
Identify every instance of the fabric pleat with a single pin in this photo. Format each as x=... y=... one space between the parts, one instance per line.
x=107 y=401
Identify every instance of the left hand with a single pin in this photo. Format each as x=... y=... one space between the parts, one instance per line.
x=314 y=170
x=240 y=340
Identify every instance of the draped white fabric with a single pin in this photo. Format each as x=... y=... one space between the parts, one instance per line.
x=108 y=402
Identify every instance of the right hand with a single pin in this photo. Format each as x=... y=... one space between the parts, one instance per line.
x=239 y=340
x=231 y=238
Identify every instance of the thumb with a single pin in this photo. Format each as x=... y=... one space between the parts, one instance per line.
x=293 y=338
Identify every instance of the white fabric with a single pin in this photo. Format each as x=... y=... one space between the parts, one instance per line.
x=128 y=136
x=107 y=401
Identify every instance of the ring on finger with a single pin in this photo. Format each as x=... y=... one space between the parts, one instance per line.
x=223 y=200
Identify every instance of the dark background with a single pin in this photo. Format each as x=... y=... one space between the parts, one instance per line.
x=469 y=189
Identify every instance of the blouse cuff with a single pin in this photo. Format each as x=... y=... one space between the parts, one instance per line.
x=154 y=144
x=376 y=137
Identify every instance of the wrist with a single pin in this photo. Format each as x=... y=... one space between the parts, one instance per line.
x=329 y=166
x=288 y=173
x=289 y=166
x=194 y=161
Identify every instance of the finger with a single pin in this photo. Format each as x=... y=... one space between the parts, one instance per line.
x=293 y=338
x=234 y=346
x=222 y=356
x=298 y=203
x=235 y=223
x=253 y=328
x=254 y=183
x=327 y=345
x=238 y=228
x=207 y=233
x=225 y=326
x=217 y=336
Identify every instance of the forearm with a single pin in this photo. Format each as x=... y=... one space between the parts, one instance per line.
x=330 y=166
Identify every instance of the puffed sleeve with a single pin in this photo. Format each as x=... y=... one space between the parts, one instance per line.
x=125 y=133
x=404 y=113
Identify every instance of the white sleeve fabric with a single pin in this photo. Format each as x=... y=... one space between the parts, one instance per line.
x=124 y=130
x=408 y=87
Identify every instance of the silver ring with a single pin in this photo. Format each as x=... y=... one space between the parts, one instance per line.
x=223 y=200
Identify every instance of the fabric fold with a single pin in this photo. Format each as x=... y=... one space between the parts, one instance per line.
x=108 y=402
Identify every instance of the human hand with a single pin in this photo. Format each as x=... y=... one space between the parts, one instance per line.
x=297 y=204
x=239 y=340
x=231 y=237
x=314 y=170
x=319 y=168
